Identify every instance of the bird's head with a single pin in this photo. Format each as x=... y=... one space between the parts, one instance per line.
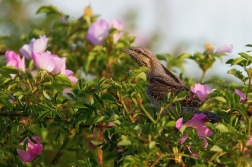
x=142 y=56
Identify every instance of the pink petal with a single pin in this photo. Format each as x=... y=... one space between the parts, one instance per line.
x=179 y=123
x=249 y=142
x=98 y=31
x=183 y=139
x=201 y=91
x=26 y=51
x=40 y=44
x=117 y=24
x=225 y=48
x=69 y=74
x=25 y=156
x=60 y=65
x=43 y=60
x=242 y=96
x=195 y=155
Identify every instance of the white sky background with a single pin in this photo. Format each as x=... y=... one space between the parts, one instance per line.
x=191 y=23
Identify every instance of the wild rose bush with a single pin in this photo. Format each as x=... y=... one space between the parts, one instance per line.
x=70 y=97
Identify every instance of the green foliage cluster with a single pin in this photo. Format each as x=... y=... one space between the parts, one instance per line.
x=107 y=120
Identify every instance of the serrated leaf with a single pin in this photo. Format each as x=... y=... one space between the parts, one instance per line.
x=238 y=74
x=246 y=56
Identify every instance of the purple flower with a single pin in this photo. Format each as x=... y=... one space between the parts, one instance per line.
x=13 y=59
x=98 y=31
x=117 y=24
x=201 y=91
x=225 y=48
x=38 y=45
x=33 y=150
x=242 y=96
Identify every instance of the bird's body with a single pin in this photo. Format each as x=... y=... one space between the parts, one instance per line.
x=162 y=81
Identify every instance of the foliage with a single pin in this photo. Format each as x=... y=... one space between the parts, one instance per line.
x=105 y=118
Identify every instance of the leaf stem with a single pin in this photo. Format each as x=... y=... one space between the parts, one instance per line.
x=145 y=111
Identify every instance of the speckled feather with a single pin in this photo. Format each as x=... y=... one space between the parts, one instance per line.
x=163 y=81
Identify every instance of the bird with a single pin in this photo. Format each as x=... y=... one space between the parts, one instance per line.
x=162 y=81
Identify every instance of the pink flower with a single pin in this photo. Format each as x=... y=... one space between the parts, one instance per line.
x=197 y=122
x=43 y=60
x=60 y=64
x=201 y=91
x=69 y=74
x=242 y=96
x=49 y=62
x=225 y=48
x=117 y=24
x=38 y=45
x=13 y=59
x=98 y=31
x=33 y=150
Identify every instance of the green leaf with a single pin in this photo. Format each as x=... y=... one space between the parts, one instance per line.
x=6 y=103
x=96 y=143
x=7 y=70
x=43 y=114
x=139 y=70
x=170 y=124
x=63 y=79
x=88 y=60
x=152 y=144
x=180 y=96
x=46 y=96
x=49 y=10
x=238 y=74
x=216 y=148
x=221 y=99
x=80 y=84
x=124 y=141
x=108 y=97
x=222 y=128
x=246 y=56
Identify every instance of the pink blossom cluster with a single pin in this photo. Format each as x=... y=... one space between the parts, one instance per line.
x=33 y=149
x=99 y=31
x=42 y=59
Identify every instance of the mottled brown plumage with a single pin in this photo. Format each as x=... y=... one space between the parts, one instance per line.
x=162 y=81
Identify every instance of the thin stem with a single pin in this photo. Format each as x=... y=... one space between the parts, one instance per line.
x=203 y=76
x=146 y=112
